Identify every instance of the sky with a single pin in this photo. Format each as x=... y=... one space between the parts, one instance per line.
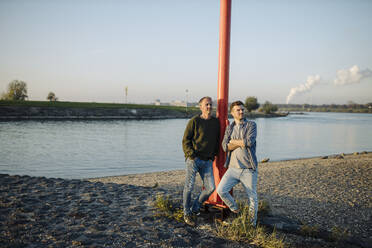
x=315 y=52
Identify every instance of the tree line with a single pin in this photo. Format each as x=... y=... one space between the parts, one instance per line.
x=251 y=103
x=17 y=91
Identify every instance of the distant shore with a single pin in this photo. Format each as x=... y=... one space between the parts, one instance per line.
x=33 y=110
x=330 y=192
x=88 y=111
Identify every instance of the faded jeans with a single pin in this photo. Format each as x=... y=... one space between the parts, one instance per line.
x=248 y=178
x=205 y=169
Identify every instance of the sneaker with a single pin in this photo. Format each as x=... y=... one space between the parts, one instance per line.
x=188 y=220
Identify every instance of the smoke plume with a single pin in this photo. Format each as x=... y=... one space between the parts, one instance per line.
x=352 y=76
x=344 y=77
x=310 y=83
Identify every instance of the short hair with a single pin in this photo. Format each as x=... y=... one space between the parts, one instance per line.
x=236 y=103
x=205 y=97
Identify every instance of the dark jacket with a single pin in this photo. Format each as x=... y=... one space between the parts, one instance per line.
x=201 y=138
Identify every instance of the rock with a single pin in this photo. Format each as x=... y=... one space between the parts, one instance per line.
x=324 y=157
x=356 y=153
x=265 y=160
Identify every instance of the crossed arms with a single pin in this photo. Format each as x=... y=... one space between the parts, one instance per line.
x=235 y=143
x=229 y=144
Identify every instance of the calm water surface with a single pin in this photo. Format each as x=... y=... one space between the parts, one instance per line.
x=85 y=149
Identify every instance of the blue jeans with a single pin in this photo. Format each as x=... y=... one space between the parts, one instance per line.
x=205 y=169
x=248 y=178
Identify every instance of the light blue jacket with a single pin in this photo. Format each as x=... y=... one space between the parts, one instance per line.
x=249 y=139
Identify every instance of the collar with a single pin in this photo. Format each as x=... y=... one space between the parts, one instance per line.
x=242 y=122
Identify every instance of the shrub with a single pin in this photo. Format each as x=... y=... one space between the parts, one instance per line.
x=52 y=97
x=17 y=91
x=251 y=103
x=268 y=107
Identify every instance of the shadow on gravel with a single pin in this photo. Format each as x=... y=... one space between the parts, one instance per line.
x=320 y=224
x=323 y=220
x=39 y=211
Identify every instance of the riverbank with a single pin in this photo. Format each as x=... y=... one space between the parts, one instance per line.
x=42 y=110
x=331 y=193
x=90 y=111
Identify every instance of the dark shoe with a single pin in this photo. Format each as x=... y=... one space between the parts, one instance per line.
x=196 y=213
x=188 y=220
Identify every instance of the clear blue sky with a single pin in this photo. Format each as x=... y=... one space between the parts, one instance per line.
x=91 y=50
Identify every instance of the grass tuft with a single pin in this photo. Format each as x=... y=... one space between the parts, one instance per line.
x=263 y=208
x=240 y=229
x=167 y=208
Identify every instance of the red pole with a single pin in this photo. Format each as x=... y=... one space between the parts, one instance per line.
x=222 y=93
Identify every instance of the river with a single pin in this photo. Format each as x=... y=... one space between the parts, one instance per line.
x=86 y=149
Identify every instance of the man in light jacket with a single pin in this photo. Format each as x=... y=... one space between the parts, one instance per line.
x=240 y=144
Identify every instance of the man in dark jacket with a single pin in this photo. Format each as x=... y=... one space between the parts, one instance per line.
x=200 y=145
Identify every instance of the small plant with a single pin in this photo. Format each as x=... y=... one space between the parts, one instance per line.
x=339 y=233
x=263 y=208
x=311 y=231
x=241 y=229
x=166 y=208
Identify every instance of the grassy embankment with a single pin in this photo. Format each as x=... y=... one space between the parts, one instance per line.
x=91 y=105
x=189 y=110
x=282 y=108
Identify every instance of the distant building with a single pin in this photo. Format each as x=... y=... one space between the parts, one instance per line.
x=178 y=103
x=159 y=103
x=182 y=103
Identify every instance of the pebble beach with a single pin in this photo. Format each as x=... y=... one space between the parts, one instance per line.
x=331 y=192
